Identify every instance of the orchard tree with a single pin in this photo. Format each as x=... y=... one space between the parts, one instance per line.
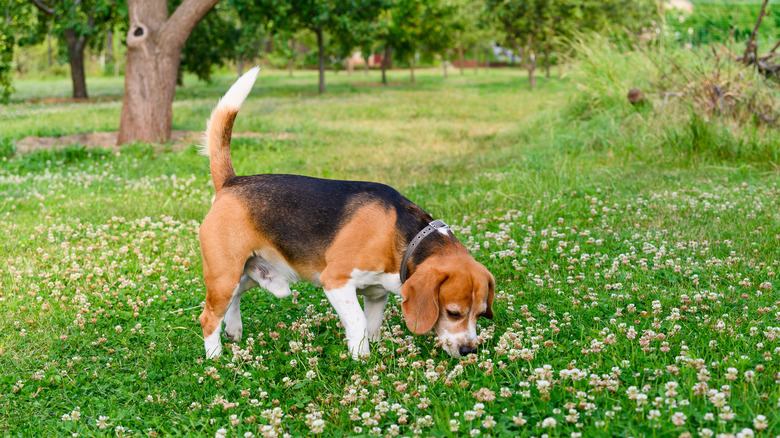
x=528 y=26
x=409 y=27
x=471 y=29
x=155 y=40
x=78 y=23
x=357 y=30
x=7 y=43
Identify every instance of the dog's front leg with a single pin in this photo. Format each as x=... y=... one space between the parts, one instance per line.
x=374 y=301
x=347 y=306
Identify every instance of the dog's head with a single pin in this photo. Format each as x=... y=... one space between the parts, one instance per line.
x=447 y=293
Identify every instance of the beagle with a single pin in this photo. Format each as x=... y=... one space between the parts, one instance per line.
x=352 y=238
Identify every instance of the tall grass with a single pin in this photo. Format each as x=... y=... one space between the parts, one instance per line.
x=701 y=107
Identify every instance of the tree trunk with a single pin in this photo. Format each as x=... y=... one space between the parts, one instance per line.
x=460 y=59
x=487 y=60
x=385 y=64
x=291 y=62
x=240 y=66
x=411 y=69
x=365 y=64
x=531 y=68
x=76 y=46
x=48 y=48
x=154 y=44
x=476 y=60
x=110 y=47
x=547 y=64
x=321 y=58
x=444 y=63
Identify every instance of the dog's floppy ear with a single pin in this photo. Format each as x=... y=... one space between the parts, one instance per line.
x=491 y=291
x=421 y=300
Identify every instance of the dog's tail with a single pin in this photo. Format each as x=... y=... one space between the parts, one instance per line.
x=220 y=128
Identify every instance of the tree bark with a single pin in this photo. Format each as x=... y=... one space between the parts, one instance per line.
x=76 y=46
x=154 y=44
x=321 y=58
x=487 y=60
x=444 y=63
x=531 y=65
x=240 y=67
x=365 y=64
x=411 y=69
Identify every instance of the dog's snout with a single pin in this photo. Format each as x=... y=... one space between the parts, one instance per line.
x=466 y=350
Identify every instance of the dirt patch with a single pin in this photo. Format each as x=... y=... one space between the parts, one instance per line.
x=379 y=84
x=51 y=100
x=180 y=140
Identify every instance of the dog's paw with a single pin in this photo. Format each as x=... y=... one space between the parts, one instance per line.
x=213 y=345
x=234 y=333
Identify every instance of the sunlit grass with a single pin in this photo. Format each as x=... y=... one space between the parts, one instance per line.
x=636 y=297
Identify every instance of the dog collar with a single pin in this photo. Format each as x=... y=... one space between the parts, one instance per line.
x=436 y=225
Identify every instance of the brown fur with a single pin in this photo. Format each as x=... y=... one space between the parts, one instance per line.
x=366 y=243
x=219 y=132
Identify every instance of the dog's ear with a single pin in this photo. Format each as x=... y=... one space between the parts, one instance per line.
x=491 y=291
x=420 y=304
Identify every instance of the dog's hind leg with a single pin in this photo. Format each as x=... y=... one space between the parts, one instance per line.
x=233 y=325
x=225 y=251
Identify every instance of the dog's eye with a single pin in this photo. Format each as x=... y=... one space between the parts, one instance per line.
x=453 y=315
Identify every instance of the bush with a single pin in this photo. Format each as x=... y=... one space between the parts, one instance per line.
x=701 y=105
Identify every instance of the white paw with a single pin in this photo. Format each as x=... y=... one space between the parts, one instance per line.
x=213 y=344
x=234 y=328
x=359 y=350
x=234 y=333
x=375 y=337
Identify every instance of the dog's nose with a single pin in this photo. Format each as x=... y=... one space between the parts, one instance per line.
x=466 y=350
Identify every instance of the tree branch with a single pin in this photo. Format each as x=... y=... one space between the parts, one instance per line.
x=178 y=27
x=751 y=44
x=43 y=8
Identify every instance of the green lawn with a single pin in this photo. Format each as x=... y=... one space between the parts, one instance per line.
x=637 y=273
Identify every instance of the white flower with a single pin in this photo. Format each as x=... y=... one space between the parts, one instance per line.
x=549 y=422
x=317 y=426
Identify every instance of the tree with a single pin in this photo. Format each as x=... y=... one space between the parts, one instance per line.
x=528 y=27
x=155 y=41
x=7 y=43
x=337 y=17
x=472 y=28
x=19 y=26
x=77 y=22
x=411 y=26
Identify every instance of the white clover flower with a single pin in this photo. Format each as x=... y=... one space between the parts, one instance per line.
x=549 y=422
x=678 y=418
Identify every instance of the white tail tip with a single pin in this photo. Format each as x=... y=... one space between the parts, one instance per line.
x=236 y=95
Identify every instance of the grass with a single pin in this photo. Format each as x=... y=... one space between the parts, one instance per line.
x=637 y=283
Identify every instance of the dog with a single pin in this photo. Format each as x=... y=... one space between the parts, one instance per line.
x=352 y=238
